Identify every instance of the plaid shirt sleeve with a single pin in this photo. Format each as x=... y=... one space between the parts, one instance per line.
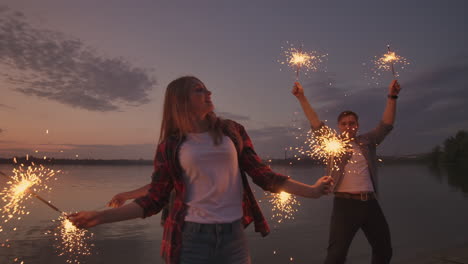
x=161 y=185
x=260 y=173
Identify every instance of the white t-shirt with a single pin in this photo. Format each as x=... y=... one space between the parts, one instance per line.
x=356 y=176
x=212 y=177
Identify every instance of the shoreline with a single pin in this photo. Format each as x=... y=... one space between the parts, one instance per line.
x=453 y=255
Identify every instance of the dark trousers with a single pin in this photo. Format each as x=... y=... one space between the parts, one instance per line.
x=347 y=218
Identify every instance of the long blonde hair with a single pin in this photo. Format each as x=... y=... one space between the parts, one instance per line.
x=177 y=116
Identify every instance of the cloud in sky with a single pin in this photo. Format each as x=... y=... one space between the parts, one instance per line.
x=4 y=106
x=51 y=65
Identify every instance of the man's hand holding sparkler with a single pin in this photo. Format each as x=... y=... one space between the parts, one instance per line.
x=390 y=108
x=394 y=88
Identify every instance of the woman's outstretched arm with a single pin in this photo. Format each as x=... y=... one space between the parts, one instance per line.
x=321 y=187
x=119 y=199
x=87 y=219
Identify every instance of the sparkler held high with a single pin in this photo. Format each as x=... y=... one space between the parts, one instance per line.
x=391 y=57
x=298 y=59
x=388 y=61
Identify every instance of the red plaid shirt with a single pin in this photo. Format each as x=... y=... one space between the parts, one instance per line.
x=168 y=176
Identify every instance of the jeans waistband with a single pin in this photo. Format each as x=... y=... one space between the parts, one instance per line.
x=211 y=228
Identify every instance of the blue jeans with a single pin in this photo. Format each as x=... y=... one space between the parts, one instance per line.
x=214 y=244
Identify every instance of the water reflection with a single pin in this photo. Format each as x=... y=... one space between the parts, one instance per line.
x=455 y=175
x=417 y=200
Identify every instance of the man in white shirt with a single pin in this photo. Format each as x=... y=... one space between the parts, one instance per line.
x=355 y=205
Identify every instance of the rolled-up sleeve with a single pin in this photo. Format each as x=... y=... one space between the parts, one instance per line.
x=260 y=173
x=378 y=134
x=161 y=185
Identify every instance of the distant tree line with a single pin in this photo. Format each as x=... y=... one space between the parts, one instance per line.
x=454 y=150
x=52 y=161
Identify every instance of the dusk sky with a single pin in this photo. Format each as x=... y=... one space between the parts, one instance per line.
x=93 y=73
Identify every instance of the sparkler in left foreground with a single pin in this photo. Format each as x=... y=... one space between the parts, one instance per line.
x=298 y=59
x=284 y=206
x=25 y=182
x=72 y=242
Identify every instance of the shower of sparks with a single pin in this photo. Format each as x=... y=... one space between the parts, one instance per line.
x=72 y=242
x=325 y=145
x=17 y=192
x=285 y=206
x=388 y=62
x=298 y=59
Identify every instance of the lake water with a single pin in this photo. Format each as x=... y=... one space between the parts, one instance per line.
x=427 y=211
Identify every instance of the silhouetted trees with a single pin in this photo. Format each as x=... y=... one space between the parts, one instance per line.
x=455 y=149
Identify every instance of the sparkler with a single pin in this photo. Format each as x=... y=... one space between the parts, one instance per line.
x=298 y=59
x=390 y=58
x=328 y=145
x=20 y=186
x=388 y=61
x=325 y=145
x=284 y=206
x=72 y=242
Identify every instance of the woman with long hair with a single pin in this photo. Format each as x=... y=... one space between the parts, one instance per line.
x=204 y=160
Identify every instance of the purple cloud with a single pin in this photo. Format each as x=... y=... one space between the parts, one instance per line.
x=51 y=65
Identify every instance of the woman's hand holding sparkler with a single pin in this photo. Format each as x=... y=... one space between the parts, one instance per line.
x=118 y=200
x=86 y=219
x=323 y=186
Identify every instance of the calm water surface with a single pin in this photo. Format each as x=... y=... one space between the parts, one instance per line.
x=427 y=211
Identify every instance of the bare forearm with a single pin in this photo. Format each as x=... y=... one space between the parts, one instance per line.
x=142 y=191
x=309 y=112
x=389 y=112
x=126 y=212
x=299 y=188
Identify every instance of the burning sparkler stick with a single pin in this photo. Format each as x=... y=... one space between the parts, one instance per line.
x=33 y=194
x=391 y=61
x=325 y=145
x=388 y=61
x=330 y=145
x=299 y=59
x=330 y=164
